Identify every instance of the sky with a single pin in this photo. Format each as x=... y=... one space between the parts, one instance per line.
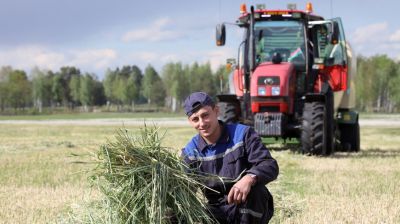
x=95 y=35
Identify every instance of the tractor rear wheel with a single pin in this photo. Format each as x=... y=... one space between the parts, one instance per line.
x=229 y=112
x=350 y=137
x=314 y=135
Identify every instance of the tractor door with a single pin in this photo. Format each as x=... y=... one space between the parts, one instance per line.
x=337 y=61
x=333 y=53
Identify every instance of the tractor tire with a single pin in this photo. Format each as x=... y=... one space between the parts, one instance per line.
x=350 y=137
x=314 y=132
x=229 y=112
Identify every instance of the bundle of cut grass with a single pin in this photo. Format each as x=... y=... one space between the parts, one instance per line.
x=145 y=182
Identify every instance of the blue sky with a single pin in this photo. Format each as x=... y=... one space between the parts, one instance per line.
x=98 y=34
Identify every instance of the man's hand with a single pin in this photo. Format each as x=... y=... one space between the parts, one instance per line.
x=240 y=190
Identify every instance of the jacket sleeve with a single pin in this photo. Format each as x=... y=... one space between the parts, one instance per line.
x=261 y=162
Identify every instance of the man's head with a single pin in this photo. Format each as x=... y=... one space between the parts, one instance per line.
x=195 y=101
x=203 y=115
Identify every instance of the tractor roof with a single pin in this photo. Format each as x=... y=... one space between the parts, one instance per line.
x=279 y=14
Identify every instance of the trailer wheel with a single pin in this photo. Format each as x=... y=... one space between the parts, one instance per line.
x=314 y=129
x=229 y=112
x=350 y=137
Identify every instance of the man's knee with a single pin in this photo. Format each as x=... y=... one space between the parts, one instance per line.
x=259 y=206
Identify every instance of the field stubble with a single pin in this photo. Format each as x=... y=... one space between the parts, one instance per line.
x=41 y=182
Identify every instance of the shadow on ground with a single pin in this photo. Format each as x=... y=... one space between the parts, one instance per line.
x=369 y=153
x=363 y=153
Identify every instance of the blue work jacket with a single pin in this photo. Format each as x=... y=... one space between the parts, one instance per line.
x=238 y=151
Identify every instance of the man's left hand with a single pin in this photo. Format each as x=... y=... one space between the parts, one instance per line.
x=240 y=190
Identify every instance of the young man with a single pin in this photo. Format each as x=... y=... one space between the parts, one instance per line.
x=236 y=153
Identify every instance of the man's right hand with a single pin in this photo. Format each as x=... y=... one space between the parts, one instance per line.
x=240 y=190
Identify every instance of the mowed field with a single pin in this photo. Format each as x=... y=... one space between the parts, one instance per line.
x=43 y=181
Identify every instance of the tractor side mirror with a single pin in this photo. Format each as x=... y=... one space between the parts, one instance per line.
x=220 y=34
x=333 y=30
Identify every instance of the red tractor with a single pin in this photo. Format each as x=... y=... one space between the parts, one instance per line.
x=293 y=79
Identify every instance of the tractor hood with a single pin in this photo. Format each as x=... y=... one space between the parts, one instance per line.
x=272 y=80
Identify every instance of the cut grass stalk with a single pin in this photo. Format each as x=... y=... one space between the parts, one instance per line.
x=144 y=182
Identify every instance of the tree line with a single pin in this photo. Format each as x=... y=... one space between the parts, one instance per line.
x=123 y=87
x=377 y=86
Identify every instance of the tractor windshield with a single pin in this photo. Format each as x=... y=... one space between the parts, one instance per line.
x=284 y=37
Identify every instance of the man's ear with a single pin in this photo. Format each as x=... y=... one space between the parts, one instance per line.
x=216 y=109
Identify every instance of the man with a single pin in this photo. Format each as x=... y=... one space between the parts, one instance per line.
x=235 y=153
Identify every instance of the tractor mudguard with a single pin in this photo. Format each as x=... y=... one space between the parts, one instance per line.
x=228 y=98
x=318 y=97
x=314 y=97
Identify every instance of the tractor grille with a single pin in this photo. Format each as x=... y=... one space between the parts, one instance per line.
x=270 y=124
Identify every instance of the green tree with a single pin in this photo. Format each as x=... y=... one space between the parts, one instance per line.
x=108 y=83
x=86 y=91
x=75 y=89
x=98 y=91
x=135 y=81
x=57 y=90
x=176 y=84
x=66 y=73
x=123 y=86
x=19 y=89
x=202 y=79
x=41 y=88
x=395 y=90
x=4 y=89
x=376 y=84
x=153 y=87
x=119 y=86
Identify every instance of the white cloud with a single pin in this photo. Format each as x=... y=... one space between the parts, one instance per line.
x=27 y=57
x=218 y=57
x=154 y=32
x=30 y=56
x=375 y=39
x=98 y=58
x=215 y=57
x=395 y=37
x=372 y=33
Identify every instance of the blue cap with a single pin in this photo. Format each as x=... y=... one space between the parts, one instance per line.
x=195 y=101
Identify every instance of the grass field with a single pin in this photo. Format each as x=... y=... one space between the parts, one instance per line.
x=40 y=181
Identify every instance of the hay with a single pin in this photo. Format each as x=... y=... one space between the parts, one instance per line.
x=144 y=182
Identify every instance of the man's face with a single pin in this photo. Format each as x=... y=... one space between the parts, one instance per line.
x=205 y=121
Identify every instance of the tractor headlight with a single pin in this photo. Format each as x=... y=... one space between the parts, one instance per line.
x=261 y=91
x=275 y=90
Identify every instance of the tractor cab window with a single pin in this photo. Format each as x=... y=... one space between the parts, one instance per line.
x=283 y=37
x=334 y=54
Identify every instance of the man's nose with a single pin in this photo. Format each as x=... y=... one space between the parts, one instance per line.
x=201 y=122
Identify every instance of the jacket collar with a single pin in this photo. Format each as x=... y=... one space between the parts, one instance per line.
x=224 y=138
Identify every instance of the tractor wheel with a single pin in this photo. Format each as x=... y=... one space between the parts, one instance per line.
x=229 y=112
x=315 y=129
x=350 y=137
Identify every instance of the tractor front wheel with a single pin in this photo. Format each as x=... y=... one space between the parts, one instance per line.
x=229 y=112
x=315 y=129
